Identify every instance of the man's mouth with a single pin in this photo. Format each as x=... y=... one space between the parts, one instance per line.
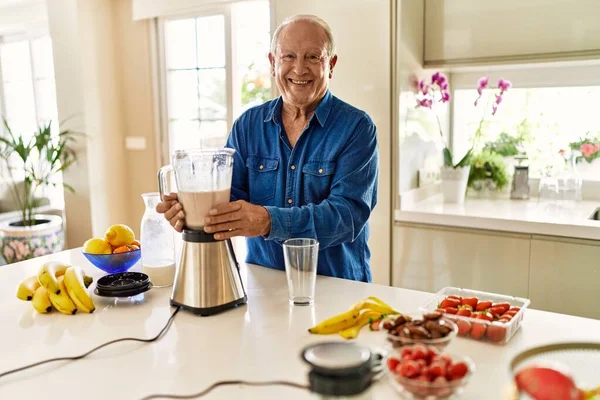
x=299 y=82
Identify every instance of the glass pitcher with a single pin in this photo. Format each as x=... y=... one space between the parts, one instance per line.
x=203 y=179
x=157 y=237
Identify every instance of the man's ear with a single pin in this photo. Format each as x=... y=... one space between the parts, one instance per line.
x=332 y=62
x=272 y=62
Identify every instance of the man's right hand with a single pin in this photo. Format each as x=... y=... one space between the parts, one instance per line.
x=172 y=210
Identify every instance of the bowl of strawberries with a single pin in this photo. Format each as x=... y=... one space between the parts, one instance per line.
x=424 y=372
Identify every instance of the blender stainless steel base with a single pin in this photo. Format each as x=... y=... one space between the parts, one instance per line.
x=207 y=279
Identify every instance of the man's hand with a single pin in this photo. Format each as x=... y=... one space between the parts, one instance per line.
x=238 y=218
x=172 y=210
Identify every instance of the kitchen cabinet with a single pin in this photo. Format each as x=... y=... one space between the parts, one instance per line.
x=429 y=258
x=470 y=31
x=565 y=276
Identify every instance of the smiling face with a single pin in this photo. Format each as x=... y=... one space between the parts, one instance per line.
x=301 y=64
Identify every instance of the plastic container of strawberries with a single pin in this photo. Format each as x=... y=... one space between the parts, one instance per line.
x=481 y=329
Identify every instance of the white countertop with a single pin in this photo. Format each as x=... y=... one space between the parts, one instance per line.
x=521 y=216
x=259 y=341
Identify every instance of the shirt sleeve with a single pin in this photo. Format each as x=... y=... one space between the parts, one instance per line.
x=239 y=180
x=343 y=214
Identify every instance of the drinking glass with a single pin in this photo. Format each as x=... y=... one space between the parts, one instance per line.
x=301 y=256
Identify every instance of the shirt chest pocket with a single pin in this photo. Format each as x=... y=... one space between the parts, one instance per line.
x=317 y=180
x=262 y=178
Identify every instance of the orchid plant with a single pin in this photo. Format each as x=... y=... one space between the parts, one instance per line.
x=431 y=93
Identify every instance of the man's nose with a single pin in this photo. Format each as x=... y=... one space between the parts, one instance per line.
x=300 y=65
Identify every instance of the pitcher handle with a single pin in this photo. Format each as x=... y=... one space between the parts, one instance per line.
x=163 y=183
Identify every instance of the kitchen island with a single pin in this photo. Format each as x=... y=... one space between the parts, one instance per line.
x=259 y=341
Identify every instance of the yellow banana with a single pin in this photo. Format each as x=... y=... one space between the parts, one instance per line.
x=383 y=304
x=48 y=274
x=334 y=324
x=364 y=319
x=74 y=283
x=41 y=301
x=27 y=287
x=62 y=302
x=330 y=325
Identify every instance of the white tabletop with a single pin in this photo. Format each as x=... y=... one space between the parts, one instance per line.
x=259 y=341
x=522 y=216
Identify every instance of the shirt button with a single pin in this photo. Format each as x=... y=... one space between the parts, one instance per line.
x=293 y=167
x=261 y=166
x=320 y=170
x=290 y=201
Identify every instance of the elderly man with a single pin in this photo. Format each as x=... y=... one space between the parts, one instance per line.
x=305 y=166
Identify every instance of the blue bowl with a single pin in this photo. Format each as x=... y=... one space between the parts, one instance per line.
x=113 y=263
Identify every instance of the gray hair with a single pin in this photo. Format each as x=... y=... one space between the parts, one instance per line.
x=313 y=19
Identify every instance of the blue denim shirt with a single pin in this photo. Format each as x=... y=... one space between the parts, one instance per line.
x=325 y=187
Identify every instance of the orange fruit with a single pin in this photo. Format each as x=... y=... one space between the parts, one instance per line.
x=121 y=249
x=133 y=247
x=136 y=243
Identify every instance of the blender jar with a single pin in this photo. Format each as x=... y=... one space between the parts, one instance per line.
x=203 y=179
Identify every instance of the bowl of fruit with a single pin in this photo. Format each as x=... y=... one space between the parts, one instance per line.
x=479 y=315
x=424 y=372
x=431 y=330
x=117 y=252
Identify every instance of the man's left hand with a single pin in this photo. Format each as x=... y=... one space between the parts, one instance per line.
x=238 y=218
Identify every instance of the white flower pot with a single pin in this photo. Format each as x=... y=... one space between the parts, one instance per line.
x=454 y=183
x=24 y=242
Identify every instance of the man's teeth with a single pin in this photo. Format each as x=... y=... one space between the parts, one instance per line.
x=299 y=82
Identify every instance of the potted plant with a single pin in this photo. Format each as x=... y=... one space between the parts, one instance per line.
x=37 y=161
x=488 y=174
x=455 y=175
x=588 y=159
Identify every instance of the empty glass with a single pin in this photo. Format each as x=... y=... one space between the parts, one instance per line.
x=301 y=256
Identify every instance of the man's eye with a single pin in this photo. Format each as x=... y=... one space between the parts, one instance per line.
x=313 y=58
x=287 y=57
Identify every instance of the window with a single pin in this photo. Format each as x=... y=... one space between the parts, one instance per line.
x=549 y=116
x=214 y=67
x=28 y=92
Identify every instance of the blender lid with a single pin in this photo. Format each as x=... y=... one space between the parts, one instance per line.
x=340 y=369
x=123 y=284
x=337 y=357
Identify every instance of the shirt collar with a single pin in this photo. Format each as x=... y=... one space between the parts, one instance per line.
x=321 y=113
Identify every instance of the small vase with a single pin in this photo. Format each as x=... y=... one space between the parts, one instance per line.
x=454 y=183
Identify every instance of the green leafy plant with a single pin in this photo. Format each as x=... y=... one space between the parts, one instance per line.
x=40 y=159
x=505 y=145
x=488 y=165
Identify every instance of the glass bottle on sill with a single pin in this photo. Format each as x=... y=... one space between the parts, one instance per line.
x=570 y=182
x=158 y=247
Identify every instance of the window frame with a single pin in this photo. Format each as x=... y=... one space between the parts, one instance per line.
x=233 y=99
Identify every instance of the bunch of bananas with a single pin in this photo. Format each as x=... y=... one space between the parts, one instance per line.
x=58 y=285
x=349 y=323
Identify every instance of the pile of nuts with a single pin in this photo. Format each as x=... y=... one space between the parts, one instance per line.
x=432 y=326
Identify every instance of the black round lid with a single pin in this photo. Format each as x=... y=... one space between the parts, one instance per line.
x=338 y=368
x=123 y=284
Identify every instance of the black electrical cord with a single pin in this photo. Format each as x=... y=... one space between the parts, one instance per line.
x=224 y=383
x=163 y=330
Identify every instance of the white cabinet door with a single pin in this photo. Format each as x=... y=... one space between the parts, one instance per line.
x=430 y=257
x=467 y=30
x=565 y=276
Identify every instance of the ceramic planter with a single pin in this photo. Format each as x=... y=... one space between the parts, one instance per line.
x=454 y=183
x=25 y=242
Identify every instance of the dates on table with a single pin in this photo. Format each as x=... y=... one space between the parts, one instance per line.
x=432 y=326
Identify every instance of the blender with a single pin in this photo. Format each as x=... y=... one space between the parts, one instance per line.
x=207 y=277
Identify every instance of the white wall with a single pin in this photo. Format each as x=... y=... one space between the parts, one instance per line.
x=103 y=73
x=362 y=29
